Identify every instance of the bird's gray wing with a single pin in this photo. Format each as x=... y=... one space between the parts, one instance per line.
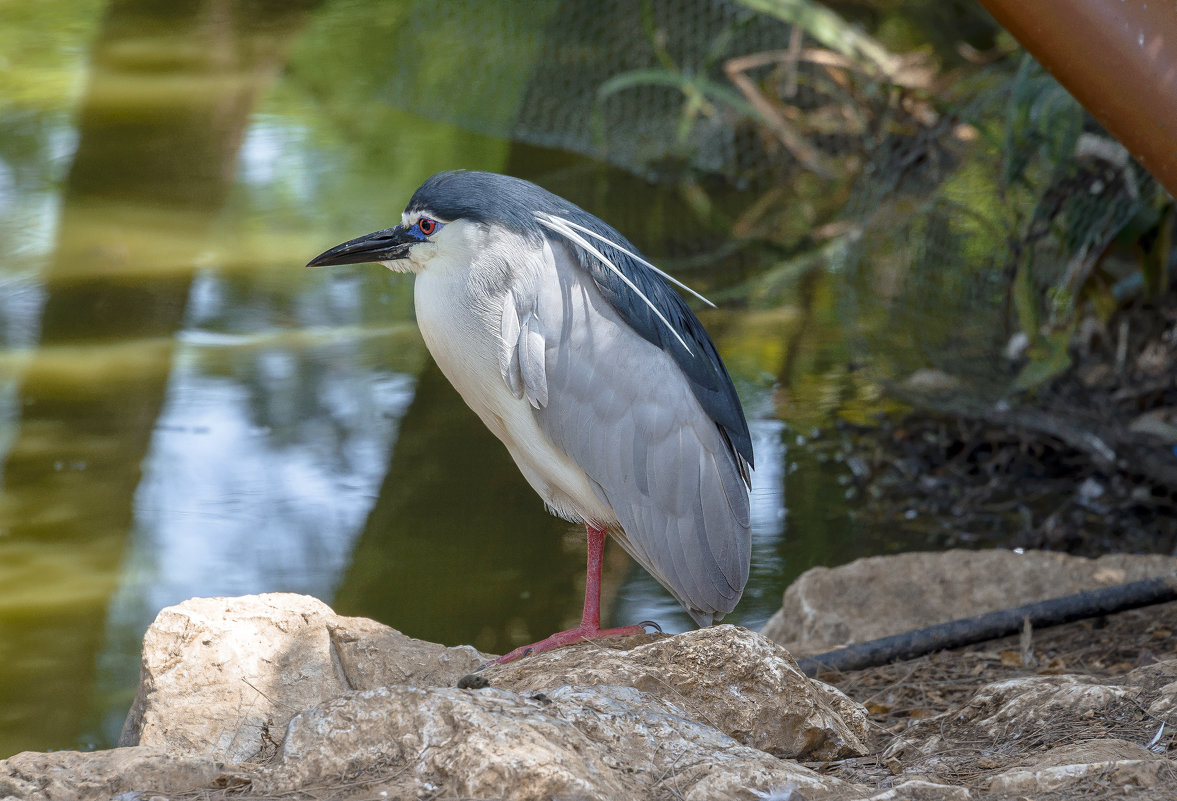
x=622 y=408
x=642 y=297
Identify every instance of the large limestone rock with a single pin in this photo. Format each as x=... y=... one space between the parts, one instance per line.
x=74 y=776
x=733 y=679
x=221 y=677
x=602 y=742
x=883 y=595
x=293 y=696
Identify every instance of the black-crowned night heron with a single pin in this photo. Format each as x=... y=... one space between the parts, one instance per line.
x=576 y=352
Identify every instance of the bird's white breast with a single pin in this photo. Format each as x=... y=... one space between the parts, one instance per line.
x=459 y=311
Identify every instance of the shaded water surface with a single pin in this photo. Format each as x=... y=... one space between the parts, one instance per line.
x=186 y=411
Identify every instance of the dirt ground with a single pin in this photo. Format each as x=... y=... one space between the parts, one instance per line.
x=1086 y=464
x=902 y=699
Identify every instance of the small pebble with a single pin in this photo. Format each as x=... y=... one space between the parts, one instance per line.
x=472 y=681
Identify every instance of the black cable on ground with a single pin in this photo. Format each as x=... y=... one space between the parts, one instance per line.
x=991 y=626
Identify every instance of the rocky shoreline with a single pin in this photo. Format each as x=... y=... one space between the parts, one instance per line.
x=276 y=696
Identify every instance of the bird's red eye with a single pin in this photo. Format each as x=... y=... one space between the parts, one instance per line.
x=426 y=225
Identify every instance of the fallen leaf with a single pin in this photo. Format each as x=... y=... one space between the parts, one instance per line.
x=1054 y=667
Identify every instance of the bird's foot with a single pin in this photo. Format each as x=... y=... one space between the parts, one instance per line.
x=578 y=634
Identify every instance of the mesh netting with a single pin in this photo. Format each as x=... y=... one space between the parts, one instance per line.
x=976 y=239
x=968 y=224
x=641 y=85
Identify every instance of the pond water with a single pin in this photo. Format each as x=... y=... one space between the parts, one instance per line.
x=186 y=411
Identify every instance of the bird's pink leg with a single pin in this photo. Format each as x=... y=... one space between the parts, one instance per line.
x=590 y=620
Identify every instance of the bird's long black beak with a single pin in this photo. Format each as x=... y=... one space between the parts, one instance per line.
x=387 y=245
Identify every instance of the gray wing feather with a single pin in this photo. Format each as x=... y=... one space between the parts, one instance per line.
x=622 y=409
x=509 y=347
x=531 y=362
x=521 y=353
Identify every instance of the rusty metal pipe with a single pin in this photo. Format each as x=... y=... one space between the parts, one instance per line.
x=1118 y=58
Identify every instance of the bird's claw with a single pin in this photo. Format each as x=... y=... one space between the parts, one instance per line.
x=652 y=625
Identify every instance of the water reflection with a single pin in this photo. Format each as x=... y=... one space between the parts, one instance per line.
x=229 y=504
x=186 y=411
x=262 y=467
x=150 y=170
